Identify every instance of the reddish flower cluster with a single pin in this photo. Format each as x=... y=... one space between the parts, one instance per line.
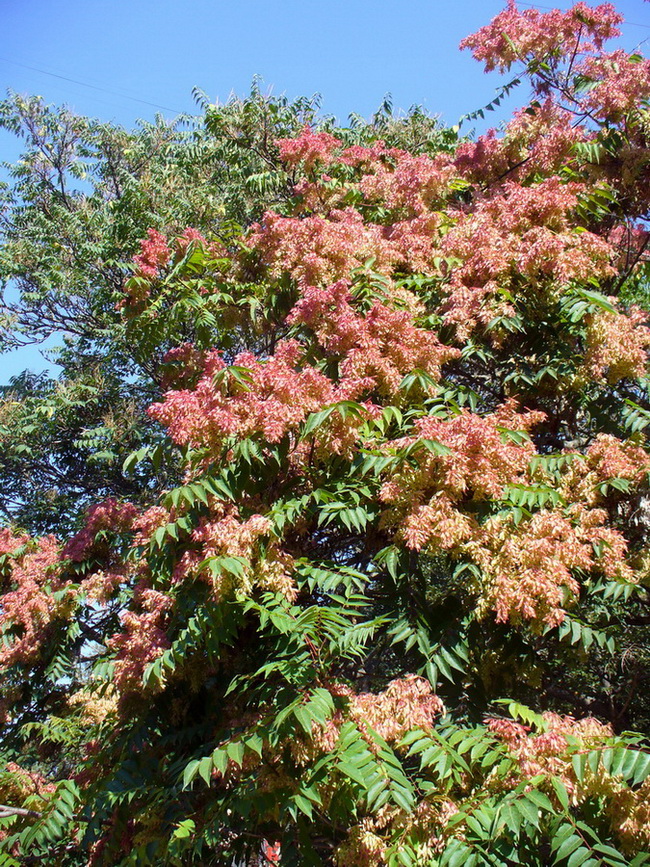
x=611 y=458
x=621 y=84
x=479 y=463
x=30 y=607
x=107 y=515
x=528 y=568
x=226 y=535
x=273 y=397
x=409 y=185
x=183 y=364
x=520 y=233
x=379 y=346
x=142 y=639
x=190 y=236
x=148 y=522
x=154 y=254
x=325 y=246
x=606 y=458
x=539 y=139
x=406 y=703
x=514 y=36
x=308 y=149
x=318 y=250
x=549 y=752
x=23 y=784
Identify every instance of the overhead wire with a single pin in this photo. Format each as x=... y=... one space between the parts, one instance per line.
x=91 y=86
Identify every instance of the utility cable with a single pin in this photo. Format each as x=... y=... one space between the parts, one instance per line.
x=92 y=86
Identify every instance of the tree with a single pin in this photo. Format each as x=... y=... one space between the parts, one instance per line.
x=380 y=596
x=81 y=198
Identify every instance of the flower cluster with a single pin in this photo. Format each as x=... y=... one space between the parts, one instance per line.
x=271 y=398
x=110 y=515
x=33 y=603
x=409 y=185
x=154 y=254
x=477 y=461
x=406 y=703
x=528 y=568
x=538 y=140
x=605 y=459
x=92 y=706
x=101 y=584
x=317 y=250
x=225 y=534
x=621 y=84
x=617 y=345
x=142 y=639
x=377 y=347
x=308 y=149
x=514 y=36
x=526 y=230
x=183 y=366
x=190 y=236
x=324 y=246
x=611 y=458
x=549 y=753
x=521 y=232
x=17 y=784
x=157 y=254
x=146 y=524
x=372 y=840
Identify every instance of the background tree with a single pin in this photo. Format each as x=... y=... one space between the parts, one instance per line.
x=374 y=590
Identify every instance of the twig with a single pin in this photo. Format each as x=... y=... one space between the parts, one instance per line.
x=6 y=811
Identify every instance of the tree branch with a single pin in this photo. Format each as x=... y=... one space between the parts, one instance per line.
x=6 y=811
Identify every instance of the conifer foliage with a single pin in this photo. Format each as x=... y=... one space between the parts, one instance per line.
x=393 y=611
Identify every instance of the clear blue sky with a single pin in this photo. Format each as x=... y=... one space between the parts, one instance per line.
x=120 y=61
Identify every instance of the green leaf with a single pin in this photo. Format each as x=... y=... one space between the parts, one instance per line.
x=570 y=845
x=352 y=772
x=190 y=773
x=528 y=810
x=235 y=750
x=579 y=857
x=579 y=762
x=184 y=829
x=561 y=792
x=205 y=768
x=540 y=800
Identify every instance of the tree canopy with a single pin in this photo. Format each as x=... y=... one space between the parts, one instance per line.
x=330 y=544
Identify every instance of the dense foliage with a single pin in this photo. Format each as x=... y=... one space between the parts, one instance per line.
x=78 y=203
x=362 y=573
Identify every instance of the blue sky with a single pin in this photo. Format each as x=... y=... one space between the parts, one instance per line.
x=122 y=61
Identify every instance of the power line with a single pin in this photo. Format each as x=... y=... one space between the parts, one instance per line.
x=91 y=86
